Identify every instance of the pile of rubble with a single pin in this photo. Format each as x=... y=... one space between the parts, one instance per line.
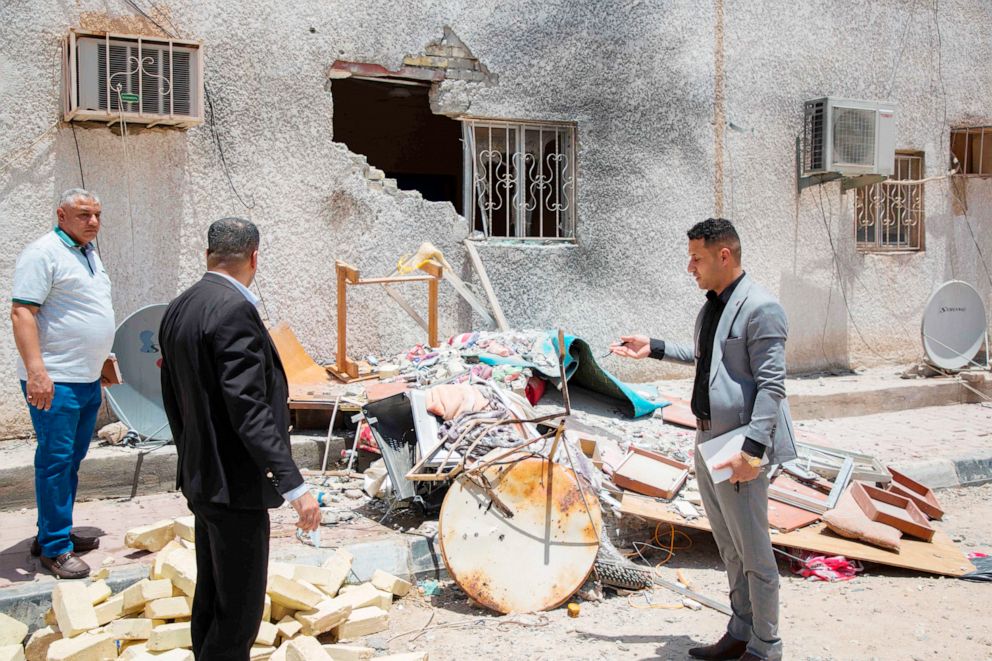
x=310 y=614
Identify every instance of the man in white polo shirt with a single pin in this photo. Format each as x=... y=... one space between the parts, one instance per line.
x=63 y=324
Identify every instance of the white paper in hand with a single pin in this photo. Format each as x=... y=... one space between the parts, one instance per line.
x=722 y=448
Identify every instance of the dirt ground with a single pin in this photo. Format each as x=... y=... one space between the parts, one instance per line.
x=882 y=614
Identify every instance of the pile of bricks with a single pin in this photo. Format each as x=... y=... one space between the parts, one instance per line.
x=309 y=613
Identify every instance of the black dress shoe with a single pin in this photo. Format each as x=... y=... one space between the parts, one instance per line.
x=80 y=544
x=727 y=649
x=67 y=565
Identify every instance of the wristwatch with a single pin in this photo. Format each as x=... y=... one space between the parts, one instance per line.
x=753 y=462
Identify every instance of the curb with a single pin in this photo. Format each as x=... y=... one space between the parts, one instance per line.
x=412 y=559
x=965 y=471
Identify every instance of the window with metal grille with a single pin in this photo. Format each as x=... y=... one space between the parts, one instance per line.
x=889 y=215
x=971 y=150
x=520 y=179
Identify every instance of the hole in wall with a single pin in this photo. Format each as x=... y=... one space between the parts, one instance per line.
x=391 y=123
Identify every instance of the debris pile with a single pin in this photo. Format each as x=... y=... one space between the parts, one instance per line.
x=309 y=613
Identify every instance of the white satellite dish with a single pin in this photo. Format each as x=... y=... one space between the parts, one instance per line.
x=954 y=325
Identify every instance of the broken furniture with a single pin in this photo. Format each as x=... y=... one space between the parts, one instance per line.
x=345 y=368
x=808 y=502
x=849 y=520
x=892 y=510
x=650 y=473
x=827 y=461
x=310 y=386
x=939 y=556
x=920 y=494
x=521 y=534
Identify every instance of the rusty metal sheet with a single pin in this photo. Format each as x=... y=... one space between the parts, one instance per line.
x=529 y=548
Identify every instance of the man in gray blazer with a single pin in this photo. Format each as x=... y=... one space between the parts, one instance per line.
x=739 y=354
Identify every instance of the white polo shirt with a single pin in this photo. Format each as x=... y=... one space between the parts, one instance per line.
x=70 y=286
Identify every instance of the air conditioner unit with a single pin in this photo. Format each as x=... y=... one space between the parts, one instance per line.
x=144 y=80
x=849 y=137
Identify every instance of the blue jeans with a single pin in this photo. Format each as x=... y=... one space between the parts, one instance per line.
x=64 y=432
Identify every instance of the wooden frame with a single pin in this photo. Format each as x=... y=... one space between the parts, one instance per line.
x=920 y=494
x=892 y=510
x=344 y=367
x=649 y=489
x=812 y=504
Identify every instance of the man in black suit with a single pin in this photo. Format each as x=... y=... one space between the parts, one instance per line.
x=225 y=394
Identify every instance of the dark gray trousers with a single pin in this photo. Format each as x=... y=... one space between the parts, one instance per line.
x=739 y=518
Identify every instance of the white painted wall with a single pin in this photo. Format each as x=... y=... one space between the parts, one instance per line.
x=638 y=77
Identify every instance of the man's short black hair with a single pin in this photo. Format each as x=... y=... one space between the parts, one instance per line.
x=231 y=240
x=717 y=231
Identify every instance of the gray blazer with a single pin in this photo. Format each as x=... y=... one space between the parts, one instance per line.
x=747 y=373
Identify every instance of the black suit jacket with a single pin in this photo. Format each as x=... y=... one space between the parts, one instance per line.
x=225 y=394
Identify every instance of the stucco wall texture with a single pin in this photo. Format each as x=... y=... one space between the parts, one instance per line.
x=638 y=78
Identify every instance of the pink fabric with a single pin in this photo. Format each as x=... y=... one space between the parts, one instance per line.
x=823 y=568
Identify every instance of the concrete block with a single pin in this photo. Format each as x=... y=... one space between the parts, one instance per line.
x=12 y=632
x=167 y=609
x=260 y=652
x=163 y=555
x=325 y=617
x=132 y=649
x=267 y=633
x=36 y=649
x=288 y=627
x=306 y=648
x=11 y=653
x=280 y=653
x=293 y=594
x=171 y=655
x=73 y=610
x=84 y=647
x=327 y=580
x=280 y=612
x=389 y=583
x=405 y=656
x=360 y=596
x=152 y=537
x=132 y=628
x=363 y=622
x=98 y=592
x=340 y=652
x=170 y=636
x=281 y=569
x=139 y=594
x=429 y=61
x=110 y=610
x=180 y=568
x=185 y=527
x=266 y=609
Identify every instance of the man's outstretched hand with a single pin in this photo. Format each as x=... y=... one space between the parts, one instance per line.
x=632 y=346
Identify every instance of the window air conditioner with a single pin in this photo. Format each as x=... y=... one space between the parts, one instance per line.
x=145 y=80
x=849 y=137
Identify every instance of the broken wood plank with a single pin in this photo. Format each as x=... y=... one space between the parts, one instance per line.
x=487 y=286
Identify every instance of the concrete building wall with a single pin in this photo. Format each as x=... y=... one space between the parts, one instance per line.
x=638 y=78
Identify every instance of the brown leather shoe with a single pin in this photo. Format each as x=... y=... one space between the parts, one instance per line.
x=727 y=649
x=67 y=565
x=80 y=544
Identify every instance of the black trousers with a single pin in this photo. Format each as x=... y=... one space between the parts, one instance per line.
x=232 y=557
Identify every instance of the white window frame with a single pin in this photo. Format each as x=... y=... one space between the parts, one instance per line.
x=492 y=191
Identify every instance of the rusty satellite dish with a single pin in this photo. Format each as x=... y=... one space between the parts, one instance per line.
x=529 y=543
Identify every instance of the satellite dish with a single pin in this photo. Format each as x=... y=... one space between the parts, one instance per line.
x=954 y=325
x=138 y=401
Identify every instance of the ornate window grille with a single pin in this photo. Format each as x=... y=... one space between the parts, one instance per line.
x=888 y=215
x=520 y=179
